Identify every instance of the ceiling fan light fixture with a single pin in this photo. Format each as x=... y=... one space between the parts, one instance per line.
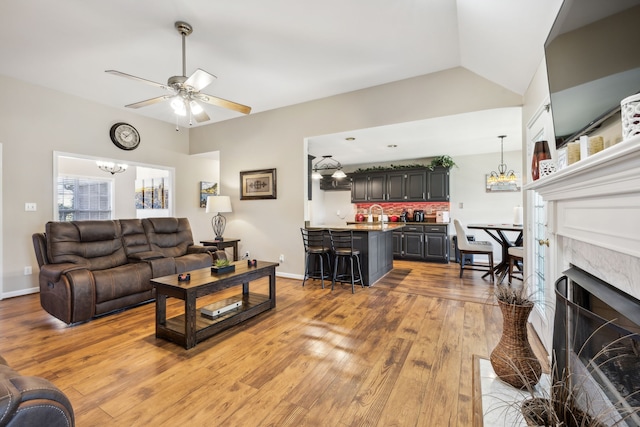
x=177 y=104
x=195 y=107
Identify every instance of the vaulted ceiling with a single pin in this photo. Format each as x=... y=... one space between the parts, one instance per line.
x=266 y=54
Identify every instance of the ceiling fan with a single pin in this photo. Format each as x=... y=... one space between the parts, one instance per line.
x=185 y=91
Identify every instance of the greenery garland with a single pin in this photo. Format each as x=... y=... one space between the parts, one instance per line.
x=443 y=161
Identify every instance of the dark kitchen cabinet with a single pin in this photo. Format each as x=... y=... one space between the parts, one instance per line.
x=368 y=187
x=359 y=185
x=438 y=185
x=377 y=187
x=329 y=183
x=397 y=244
x=411 y=185
x=416 y=187
x=396 y=186
x=422 y=242
x=437 y=243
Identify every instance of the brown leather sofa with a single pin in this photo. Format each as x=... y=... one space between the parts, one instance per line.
x=31 y=401
x=91 y=268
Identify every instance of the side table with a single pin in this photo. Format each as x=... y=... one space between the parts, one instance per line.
x=221 y=244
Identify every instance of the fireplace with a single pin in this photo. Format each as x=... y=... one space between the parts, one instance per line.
x=596 y=341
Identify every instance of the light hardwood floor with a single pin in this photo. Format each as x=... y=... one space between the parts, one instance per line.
x=396 y=354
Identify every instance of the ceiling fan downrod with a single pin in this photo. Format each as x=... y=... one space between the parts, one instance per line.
x=184 y=29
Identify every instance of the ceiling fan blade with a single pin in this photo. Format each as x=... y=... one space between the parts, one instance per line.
x=148 y=101
x=140 y=79
x=201 y=117
x=200 y=79
x=220 y=102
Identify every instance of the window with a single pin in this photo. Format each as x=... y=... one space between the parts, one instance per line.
x=83 y=198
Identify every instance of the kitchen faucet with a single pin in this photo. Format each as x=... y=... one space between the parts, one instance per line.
x=381 y=212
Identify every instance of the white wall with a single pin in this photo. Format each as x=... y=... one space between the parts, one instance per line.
x=35 y=122
x=276 y=139
x=467 y=185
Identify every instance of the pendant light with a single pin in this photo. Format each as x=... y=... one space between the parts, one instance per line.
x=328 y=163
x=503 y=178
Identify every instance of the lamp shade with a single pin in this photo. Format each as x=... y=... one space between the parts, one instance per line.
x=217 y=204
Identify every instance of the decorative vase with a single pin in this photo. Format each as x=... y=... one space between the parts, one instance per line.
x=540 y=152
x=513 y=359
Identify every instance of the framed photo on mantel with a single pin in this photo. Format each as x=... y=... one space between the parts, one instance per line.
x=258 y=184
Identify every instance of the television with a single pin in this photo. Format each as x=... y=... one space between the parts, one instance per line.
x=593 y=62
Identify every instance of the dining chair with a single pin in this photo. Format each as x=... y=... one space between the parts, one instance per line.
x=343 y=251
x=476 y=248
x=317 y=251
x=516 y=256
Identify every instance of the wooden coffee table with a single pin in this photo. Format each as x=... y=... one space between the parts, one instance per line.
x=190 y=328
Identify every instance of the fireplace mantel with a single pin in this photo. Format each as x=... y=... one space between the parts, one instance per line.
x=593 y=214
x=615 y=170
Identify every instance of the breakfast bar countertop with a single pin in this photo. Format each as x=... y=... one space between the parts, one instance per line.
x=360 y=226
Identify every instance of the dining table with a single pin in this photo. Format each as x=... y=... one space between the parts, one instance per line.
x=498 y=233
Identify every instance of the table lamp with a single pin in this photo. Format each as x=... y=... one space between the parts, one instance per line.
x=218 y=204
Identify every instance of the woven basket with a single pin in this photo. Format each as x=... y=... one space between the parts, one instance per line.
x=513 y=359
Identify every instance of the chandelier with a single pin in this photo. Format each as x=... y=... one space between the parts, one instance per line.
x=328 y=163
x=111 y=167
x=503 y=178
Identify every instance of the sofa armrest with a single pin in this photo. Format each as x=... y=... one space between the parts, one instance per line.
x=197 y=249
x=145 y=256
x=27 y=400
x=53 y=272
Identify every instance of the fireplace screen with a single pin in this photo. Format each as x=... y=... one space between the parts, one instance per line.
x=596 y=341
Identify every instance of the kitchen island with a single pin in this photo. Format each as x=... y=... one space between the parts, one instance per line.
x=375 y=243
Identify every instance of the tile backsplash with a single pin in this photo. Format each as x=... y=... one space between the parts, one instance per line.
x=396 y=208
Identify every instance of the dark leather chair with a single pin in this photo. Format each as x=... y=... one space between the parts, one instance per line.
x=31 y=401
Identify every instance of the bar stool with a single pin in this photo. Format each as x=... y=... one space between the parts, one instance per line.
x=343 y=250
x=516 y=256
x=316 y=250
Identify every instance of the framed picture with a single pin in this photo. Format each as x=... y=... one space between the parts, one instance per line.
x=260 y=184
x=207 y=189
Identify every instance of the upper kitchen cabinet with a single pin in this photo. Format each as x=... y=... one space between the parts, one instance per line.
x=329 y=183
x=412 y=185
x=369 y=187
x=438 y=185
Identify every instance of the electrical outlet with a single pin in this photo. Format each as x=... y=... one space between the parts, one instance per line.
x=27 y=270
x=30 y=207
x=246 y=255
x=281 y=257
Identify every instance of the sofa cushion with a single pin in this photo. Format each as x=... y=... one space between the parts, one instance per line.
x=133 y=237
x=171 y=236
x=121 y=281
x=95 y=244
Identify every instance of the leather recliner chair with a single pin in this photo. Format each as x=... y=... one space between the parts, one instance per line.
x=31 y=401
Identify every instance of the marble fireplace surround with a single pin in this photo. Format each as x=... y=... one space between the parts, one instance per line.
x=593 y=215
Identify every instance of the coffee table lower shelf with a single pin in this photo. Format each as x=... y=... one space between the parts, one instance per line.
x=252 y=305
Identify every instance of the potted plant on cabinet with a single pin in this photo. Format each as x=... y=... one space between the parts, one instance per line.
x=443 y=161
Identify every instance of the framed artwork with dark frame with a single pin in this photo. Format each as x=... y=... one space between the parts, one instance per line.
x=258 y=184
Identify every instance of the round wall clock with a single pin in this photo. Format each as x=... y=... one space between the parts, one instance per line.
x=124 y=136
